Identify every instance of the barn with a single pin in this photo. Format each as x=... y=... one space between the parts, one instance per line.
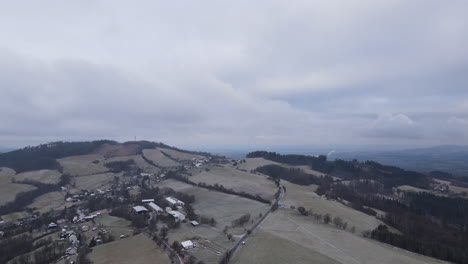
x=155 y=207
x=187 y=244
x=178 y=216
x=140 y=209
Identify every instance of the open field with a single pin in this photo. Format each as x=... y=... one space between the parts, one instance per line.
x=137 y=249
x=453 y=188
x=297 y=195
x=43 y=176
x=83 y=165
x=15 y=216
x=9 y=190
x=308 y=170
x=139 y=162
x=341 y=246
x=457 y=189
x=237 y=180
x=108 y=220
x=407 y=188
x=264 y=247
x=180 y=155
x=49 y=201
x=92 y=182
x=224 y=208
x=158 y=158
x=253 y=163
x=29 y=257
x=53 y=200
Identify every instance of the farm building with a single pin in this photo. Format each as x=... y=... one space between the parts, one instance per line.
x=173 y=201
x=147 y=200
x=187 y=244
x=177 y=215
x=154 y=207
x=140 y=209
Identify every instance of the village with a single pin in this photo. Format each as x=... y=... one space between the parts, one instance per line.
x=83 y=223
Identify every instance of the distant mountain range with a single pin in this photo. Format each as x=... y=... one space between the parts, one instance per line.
x=452 y=159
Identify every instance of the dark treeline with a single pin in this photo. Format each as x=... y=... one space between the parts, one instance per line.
x=45 y=251
x=427 y=247
x=119 y=166
x=44 y=156
x=151 y=145
x=15 y=246
x=293 y=175
x=25 y=198
x=451 y=211
x=218 y=187
x=221 y=188
x=430 y=225
x=455 y=180
x=389 y=176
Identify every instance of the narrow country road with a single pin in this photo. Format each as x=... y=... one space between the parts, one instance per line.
x=242 y=239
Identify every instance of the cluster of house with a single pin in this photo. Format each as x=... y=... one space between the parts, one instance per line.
x=151 y=206
x=84 y=194
x=72 y=237
x=443 y=188
x=199 y=162
x=157 y=178
x=83 y=218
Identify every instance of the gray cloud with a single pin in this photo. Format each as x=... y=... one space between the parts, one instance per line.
x=269 y=72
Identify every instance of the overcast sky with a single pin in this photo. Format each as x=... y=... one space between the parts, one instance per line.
x=234 y=72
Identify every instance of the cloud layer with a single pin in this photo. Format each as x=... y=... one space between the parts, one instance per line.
x=250 y=73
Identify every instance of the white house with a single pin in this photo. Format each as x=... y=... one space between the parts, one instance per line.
x=154 y=207
x=173 y=201
x=178 y=216
x=187 y=244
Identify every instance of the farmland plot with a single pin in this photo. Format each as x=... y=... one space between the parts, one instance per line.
x=43 y=176
x=9 y=190
x=137 y=249
x=253 y=163
x=139 y=162
x=297 y=195
x=180 y=155
x=239 y=181
x=83 y=165
x=49 y=201
x=341 y=246
x=92 y=182
x=264 y=247
x=158 y=158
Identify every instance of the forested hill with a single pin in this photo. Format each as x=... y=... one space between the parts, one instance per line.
x=390 y=176
x=45 y=156
x=431 y=223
